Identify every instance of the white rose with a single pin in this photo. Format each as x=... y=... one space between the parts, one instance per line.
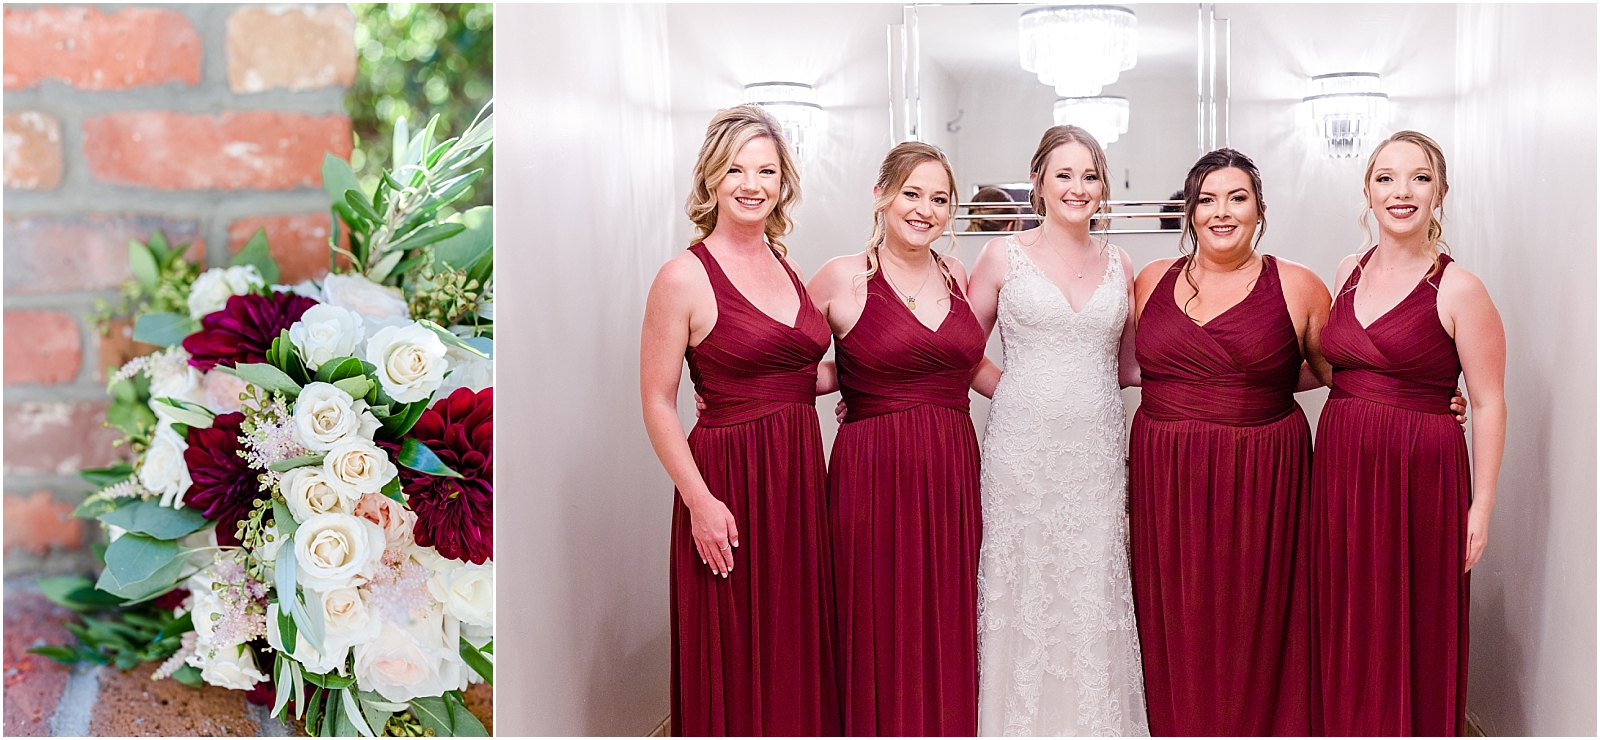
x=215 y=286
x=182 y=384
x=466 y=590
x=347 y=616
x=333 y=550
x=428 y=557
x=230 y=666
x=396 y=520
x=357 y=466
x=308 y=494
x=325 y=415
x=410 y=360
x=420 y=659
x=205 y=608
x=303 y=651
x=363 y=296
x=325 y=332
x=307 y=288
x=220 y=392
x=164 y=470
x=467 y=370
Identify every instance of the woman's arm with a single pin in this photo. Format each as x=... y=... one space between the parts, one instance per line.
x=986 y=378
x=1127 y=357
x=668 y=317
x=983 y=288
x=827 y=377
x=1470 y=316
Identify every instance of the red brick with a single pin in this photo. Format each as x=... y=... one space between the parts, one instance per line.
x=299 y=47
x=117 y=347
x=266 y=150
x=32 y=150
x=131 y=704
x=480 y=701
x=33 y=683
x=89 y=50
x=41 y=347
x=57 y=438
x=54 y=254
x=39 y=522
x=298 y=243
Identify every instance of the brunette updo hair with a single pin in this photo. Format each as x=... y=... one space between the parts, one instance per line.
x=730 y=129
x=1054 y=138
x=1189 y=241
x=1435 y=156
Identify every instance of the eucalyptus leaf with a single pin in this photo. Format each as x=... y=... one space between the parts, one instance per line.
x=143 y=266
x=419 y=457
x=283 y=466
x=284 y=519
x=163 y=329
x=477 y=661
x=281 y=684
x=102 y=477
x=267 y=378
x=464 y=249
x=385 y=266
x=451 y=339
x=157 y=521
x=131 y=418
x=400 y=143
x=434 y=715
x=352 y=713
x=357 y=387
x=160 y=249
x=359 y=205
x=284 y=572
x=189 y=675
x=192 y=415
x=134 y=557
x=256 y=252
x=338 y=369
x=427 y=235
x=338 y=178
x=58 y=590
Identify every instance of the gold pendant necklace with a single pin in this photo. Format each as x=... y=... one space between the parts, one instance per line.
x=910 y=299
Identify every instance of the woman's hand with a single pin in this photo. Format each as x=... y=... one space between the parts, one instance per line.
x=839 y=411
x=1458 y=407
x=699 y=405
x=715 y=534
x=1477 y=535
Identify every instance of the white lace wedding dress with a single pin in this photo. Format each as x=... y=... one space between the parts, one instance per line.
x=1058 y=651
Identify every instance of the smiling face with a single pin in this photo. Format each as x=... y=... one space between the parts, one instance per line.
x=749 y=189
x=1227 y=212
x=1403 y=190
x=1071 y=186
x=921 y=208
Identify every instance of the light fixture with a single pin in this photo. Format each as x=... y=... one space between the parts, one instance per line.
x=793 y=104
x=1105 y=117
x=1348 y=112
x=1078 y=48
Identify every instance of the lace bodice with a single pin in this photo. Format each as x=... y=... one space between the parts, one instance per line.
x=1058 y=648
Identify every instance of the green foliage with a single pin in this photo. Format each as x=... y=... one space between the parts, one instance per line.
x=160 y=284
x=416 y=61
x=126 y=637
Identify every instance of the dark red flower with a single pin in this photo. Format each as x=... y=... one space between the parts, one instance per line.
x=224 y=486
x=243 y=330
x=171 y=599
x=456 y=515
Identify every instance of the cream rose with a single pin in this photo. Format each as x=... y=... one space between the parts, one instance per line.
x=214 y=287
x=358 y=294
x=467 y=370
x=228 y=666
x=220 y=392
x=467 y=590
x=356 y=466
x=410 y=360
x=182 y=382
x=324 y=415
x=396 y=520
x=405 y=662
x=325 y=332
x=205 y=608
x=164 y=470
x=309 y=493
x=347 y=616
x=334 y=550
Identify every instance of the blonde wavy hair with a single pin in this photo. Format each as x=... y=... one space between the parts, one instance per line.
x=730 y=129
x=897 y=167
x=1435 y=156
x=1054 y=138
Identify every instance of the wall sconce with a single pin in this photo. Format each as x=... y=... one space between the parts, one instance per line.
x=1347 y=112
x=1104 y=117
x=795 y=107
x=1078 y=48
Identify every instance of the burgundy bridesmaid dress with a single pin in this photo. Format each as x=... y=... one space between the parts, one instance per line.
x=903 y=483
x=1390 y=489
x=1219 y=470
x=753 y=653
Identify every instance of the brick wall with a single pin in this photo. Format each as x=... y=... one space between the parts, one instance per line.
x=205 y=121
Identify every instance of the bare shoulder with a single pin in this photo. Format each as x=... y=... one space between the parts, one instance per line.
x=957 y=270
x=835 y=274
x=796 y=267
x=994 y=249
x=1299 y=278
x=1458 y=283
x=681 y=273
x=1151 y=274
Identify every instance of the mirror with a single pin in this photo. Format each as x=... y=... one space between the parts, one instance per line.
x=957 y=82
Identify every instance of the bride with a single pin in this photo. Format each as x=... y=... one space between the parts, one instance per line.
x=1057 y=644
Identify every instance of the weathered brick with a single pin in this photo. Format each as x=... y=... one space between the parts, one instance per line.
x=32 y=151
x=266 y=150
x=39 y=522
x=299 y=47
x=41 y=347
x=57 y=438
x=480 y=701
x=299 y=243
x=33 y=683
x=117 y=347
x=53 y=254
x=89 y=50
x=131 y=704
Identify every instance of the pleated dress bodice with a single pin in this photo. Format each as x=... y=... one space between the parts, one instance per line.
x=898 y=362
x=1404 y=358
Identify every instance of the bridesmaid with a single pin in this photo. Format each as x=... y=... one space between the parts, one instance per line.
x=1220 y=467
x=1399 y=514
x=903 y=476
x=753 y=645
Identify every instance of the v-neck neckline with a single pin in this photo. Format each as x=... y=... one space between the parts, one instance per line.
x=1225 y=311
x=1105 y=277
x=1360 y=272
x=913 y=314
x=799 y=290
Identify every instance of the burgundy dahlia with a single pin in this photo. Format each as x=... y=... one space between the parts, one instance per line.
x=225 y=488
x=243 y=330
x=456 y=515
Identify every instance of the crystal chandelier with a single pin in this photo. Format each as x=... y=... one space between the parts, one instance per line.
x=1078 y=48
x=1348 y=112
x=1104 y=117
x=793 y=104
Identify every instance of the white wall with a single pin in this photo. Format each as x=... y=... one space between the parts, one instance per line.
x=589 y=204
x=1522 y=205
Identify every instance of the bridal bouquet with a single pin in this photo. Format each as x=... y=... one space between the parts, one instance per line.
x=308 y=514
